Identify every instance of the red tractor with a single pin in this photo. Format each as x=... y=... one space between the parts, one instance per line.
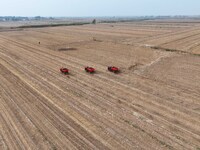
x=64 y=70
x=89 y=69
x=113 y=69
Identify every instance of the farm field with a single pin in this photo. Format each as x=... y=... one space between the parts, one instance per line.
x=152 y=104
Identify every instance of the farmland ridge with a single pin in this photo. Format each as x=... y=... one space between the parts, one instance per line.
x=152 y=104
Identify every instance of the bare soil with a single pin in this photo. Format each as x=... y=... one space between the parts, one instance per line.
x=153 y=103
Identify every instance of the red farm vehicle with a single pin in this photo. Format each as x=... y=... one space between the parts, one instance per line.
x=64 y=70
x=89 y=69
x=113 y=69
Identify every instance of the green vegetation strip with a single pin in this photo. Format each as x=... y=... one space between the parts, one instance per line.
x=54 y=25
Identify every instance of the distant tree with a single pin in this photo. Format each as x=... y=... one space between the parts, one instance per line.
x=94 y=21
x=37 y=17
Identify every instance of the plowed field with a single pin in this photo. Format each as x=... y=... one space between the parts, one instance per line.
x=153 y=103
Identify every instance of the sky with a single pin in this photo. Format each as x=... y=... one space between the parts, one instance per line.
x=84 y=8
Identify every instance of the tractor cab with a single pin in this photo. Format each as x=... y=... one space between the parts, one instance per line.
x=64 y=70
x=113 y=69
x=89 y=69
